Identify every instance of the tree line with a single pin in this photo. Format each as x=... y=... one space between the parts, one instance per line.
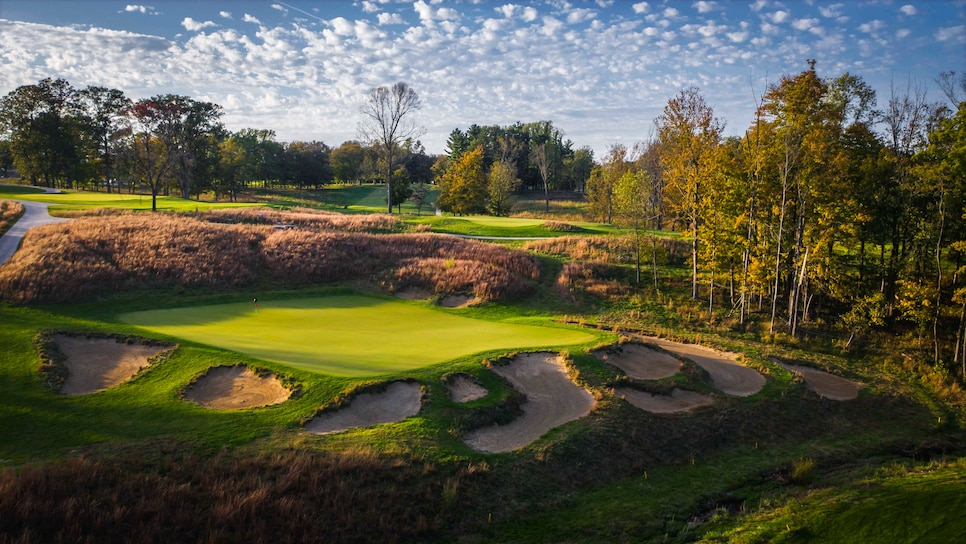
x=831 y=208
x=59 y=136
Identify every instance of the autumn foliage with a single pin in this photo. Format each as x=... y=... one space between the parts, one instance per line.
x=89 y=257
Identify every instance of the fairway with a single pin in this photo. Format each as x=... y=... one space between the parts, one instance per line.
x=347 y=335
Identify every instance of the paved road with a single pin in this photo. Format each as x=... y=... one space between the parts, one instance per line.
x=35 y=214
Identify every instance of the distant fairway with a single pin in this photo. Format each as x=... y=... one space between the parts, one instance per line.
x=347 y=335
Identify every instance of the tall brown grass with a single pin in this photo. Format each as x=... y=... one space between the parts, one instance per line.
x=610 y=249
x=176 y=496
x=89 y=257
x=10 y=212
x=305 y=218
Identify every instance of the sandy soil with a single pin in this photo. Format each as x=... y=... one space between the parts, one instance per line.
x=95 y=364
x=680 y=400
x=455 y=301
x=414 y=293
x=727 y=375
x=236 y=388
x=640 y=362
x=552 y=400
x=399 y=401
x=826 y=385
x=462 y=388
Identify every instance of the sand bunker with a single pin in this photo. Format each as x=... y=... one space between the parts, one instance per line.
x=640 y=362
x=399 y=401
x=826 y=385
x=236 y=388
x=414 y=293
x=462 y=388
x=727 y=375
x=552 y=400
x=95 y=364
x=680 y=400
x=454 y=301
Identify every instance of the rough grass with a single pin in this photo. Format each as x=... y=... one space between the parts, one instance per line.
x=89 y=257
x=305 y=218
x=10 y=212
x=165 y=494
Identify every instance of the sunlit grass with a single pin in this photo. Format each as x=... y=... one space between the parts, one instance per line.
x=72 y=200
x=348 y=335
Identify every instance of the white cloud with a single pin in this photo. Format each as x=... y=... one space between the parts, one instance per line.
x=428 y=15
x=804 y=24
x=390 y=19
x=369 y=7
x=251 y=19
x=641 y=7
x=529 y=14
x=903 y=33
x=580 y=16
x=831 y=11
x=225 y=14
x=671 y=13
x=737 y=37
x=705 y=7
x=280 y=8
x=872 y=26
x=551 y=26
x=758 y=5
x=780 y=16
x=909 y=9
x=193 y=26
x=951 y=34
x=137 y=8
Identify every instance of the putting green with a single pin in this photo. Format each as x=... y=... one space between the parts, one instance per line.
x=347 y=335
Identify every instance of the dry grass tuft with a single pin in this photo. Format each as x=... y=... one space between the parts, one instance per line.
x=305 y=218
x=89 y=257
x=183 y=497
x=10 y=212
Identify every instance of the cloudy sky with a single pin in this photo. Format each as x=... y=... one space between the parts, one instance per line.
x=600 y=70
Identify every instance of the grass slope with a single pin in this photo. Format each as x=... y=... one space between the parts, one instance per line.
x=347 y=335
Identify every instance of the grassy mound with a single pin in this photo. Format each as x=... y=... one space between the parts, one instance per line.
x=89 y=257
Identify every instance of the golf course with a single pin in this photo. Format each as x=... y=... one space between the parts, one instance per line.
x=359 y=377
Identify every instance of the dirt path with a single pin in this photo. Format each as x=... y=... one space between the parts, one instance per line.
x=35 y=214
x=727 y=375
x=680 y=400
x=399 y=401
x=640 y=362
x=236 y=388
x=552 y=400
x=95 y=364
x=826 y=385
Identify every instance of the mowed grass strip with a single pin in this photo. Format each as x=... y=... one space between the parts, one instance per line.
x=347 y=335
x=74 y=200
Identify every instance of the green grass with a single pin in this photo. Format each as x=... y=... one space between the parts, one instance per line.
x=347 y=335
x=897 y=504
x=73 y=200
x=346 y=198
x=517 y=227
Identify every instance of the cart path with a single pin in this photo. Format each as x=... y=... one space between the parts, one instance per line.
x=35 y=214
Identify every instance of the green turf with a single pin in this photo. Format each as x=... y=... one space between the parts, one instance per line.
x=69 y=200
x=348 y=335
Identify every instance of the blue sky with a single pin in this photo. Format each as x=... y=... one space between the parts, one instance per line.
x=600 y=70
